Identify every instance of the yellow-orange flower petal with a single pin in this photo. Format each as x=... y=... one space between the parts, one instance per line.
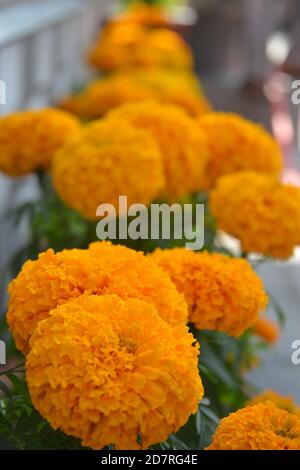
x=104 y=162
x=29 y=139
x=183 y=146
x=286 y=403
x=237 y=144
x=54 y=279
x=173 y=87
x=222 y=293
x=260 y=211
x=132 y=45
x=258 y=427
x=109 y=371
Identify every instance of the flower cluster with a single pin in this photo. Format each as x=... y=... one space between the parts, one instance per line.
x=258 y=210
x=183 y=147
x=174 y=87
x=222 y=293
x=282 y=402
x=105 y=161
x=258 y=427
x=29 y=139
x=108 y=370
x=56 y=278
x=237 y=144
x=132 y=45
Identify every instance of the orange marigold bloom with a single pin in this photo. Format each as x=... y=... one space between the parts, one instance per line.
x=183 y=147
x=258 y=427
x=148 y=15
x=267 y=330
x=173 y=87
x=132 y=45
x=237 y=144
x=222 y=293
x=54 y=279
x=282 y=402
x=103 y=162
x=108 y=370
x=260 y=211
x=29 y=139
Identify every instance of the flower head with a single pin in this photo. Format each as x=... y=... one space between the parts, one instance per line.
x=237 y=144
x=282 y=402
x=29 y=139
x=108 y=370
x=183 y=146
x=260 y=211
x=132 y=45
x=222 y=293
x=104 y=162
x=173 y=87
x=104 y=268
x=258 y=427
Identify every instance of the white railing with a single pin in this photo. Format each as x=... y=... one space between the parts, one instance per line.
x=42 y=46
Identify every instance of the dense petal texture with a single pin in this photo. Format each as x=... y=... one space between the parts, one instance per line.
x=258 y=210
x=54 y=279
x=237 y=144
x=132 y=45
x=108 y=370
x=29 y=139
x=104 y=162
x=173 y=87
x=258 y=427
x=183 y=147
x=222 y=293
x=282 y=402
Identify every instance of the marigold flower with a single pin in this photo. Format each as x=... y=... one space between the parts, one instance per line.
x=173 y=87
x=148 y=15
x=237 y=144
x=267 y=330
x=29 y=139
x=222 y=293
x=282 y=402
x=54 y=279
x=183 y=147
x=260 y=211
x=108 y=370
x=258 y=427
x=132 y=45
x=104 y=162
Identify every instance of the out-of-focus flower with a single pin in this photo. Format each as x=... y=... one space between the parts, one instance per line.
x=109 y=371
x=267 y=330
x=258 y=427
x=173 y=87
x=183 y=147
x=222 y=293
x=282 y=402
x=237 y=144
x=29 y=139
x=131 y=45
x=106 y=161
x=258 y=210
x=54 y=279
x=148 y=15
